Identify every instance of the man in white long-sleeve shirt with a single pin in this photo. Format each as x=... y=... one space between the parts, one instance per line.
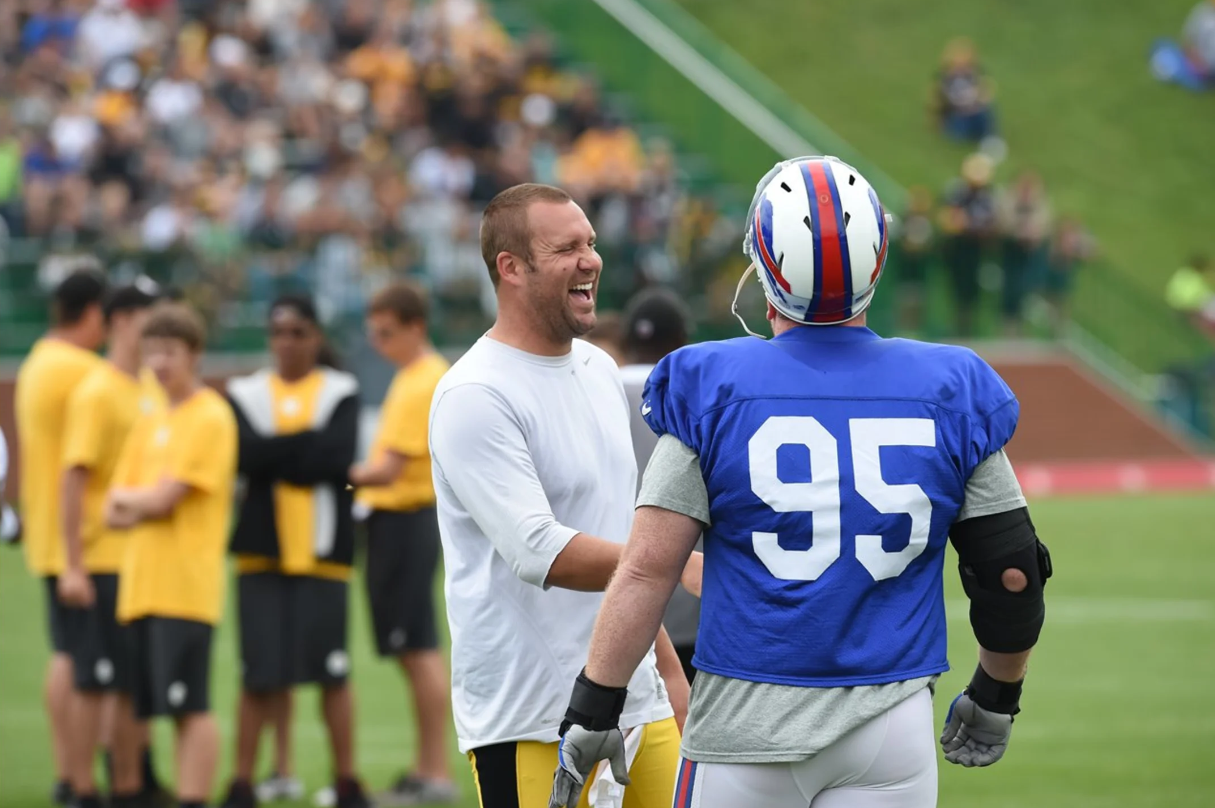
x=535 y=479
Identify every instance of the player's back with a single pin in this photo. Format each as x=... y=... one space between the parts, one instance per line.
x=45 y=381
x=835 y=462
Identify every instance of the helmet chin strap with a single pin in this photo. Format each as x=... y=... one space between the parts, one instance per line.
x=734 y=305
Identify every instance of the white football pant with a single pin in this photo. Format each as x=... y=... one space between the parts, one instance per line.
x=889 y=762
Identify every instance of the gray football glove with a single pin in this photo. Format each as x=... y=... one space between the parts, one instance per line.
x=578 y=755
x=974 y=736
x=590 y=733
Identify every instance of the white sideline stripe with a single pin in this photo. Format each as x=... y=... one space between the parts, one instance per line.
x=762 y=122
x=1110 y=610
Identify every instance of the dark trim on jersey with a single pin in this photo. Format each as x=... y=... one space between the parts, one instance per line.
x=318 y=458
x=495 y=773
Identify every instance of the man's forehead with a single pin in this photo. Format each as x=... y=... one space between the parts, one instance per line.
x=554 y=221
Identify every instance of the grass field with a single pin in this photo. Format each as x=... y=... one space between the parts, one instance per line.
x=1119 y=711
x=1075 y=101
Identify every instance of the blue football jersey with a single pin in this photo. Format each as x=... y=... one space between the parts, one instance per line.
x=835 y=463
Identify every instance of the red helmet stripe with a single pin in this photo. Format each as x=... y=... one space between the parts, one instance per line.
x=767 y=258
x=835 y=295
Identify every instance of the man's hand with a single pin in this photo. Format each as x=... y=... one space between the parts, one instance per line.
x=118 y=515
x=979 y=723
x=590 y=733
x=693 y=572
x=578 y=756
x=357 y=473
x=75 y=588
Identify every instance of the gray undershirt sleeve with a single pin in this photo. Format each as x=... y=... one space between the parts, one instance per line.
x=991 y=489
x=673 y=481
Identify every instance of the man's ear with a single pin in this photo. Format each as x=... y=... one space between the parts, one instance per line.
x=510 y=268
x=771 y=313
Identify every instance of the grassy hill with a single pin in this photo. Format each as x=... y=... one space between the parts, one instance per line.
x=1134 y=158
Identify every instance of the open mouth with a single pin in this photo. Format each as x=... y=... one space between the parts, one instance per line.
x=582 y=291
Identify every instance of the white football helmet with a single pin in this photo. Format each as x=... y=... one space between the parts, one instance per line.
x=817 y=236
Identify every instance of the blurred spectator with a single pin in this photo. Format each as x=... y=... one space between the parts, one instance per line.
x=1198 y=38
x=109 y=31
x=1191 y=288
x=968 y=220
x=1025 y=225
x=1190 y=62
x=1071 y=246
x=963 y=99
x=914 y=251
x=50 y=22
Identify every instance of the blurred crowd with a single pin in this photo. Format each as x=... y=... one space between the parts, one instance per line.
x=321 y=144
x=983 y=235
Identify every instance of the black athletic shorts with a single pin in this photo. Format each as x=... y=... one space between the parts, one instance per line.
x=402 y=557
x=171 y=667
x=54 y=616
x=292 y=631
x=100 y=647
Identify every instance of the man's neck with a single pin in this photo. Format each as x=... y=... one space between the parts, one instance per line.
x=292 y=378
x=782 y=324
x=517 y=332
x=180 y=395
x=72 y=336
x=414 y=355
x=125 y=358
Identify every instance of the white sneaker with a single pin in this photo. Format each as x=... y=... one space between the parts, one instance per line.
x=277 y=788
x=325 y=797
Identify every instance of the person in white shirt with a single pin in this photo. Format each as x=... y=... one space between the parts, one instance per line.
x=656 y=323
x=10 y=527
x=535 y=481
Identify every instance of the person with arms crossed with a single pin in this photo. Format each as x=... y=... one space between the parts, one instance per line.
x=535 y=478
x=294 y=542
x=656 y=322
x=58 y=362
x=827 y=467
x=396 y=488
x=172 y=493
x=101 y=413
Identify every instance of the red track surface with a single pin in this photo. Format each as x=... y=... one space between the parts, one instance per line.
x=1111 y=476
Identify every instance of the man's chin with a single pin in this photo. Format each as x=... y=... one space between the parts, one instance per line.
x=583 y=324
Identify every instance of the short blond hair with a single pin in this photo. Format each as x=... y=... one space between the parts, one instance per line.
x=177 y=321
x=504 y=223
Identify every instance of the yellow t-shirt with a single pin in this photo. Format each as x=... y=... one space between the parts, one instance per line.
x=403 y=429
x=294 y=411
x=47 y=378
x=101 y=412
x=174 y=567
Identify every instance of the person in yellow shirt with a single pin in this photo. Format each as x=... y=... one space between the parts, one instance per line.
x=172 y=494
x=100 y=414
x=294 y=542
x=403 y=535
x=56 y=364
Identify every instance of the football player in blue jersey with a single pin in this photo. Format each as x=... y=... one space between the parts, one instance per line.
x=827 y=468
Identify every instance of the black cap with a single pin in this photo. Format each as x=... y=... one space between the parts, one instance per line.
x=142 y=293
x=656 y=322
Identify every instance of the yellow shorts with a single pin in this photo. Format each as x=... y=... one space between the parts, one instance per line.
x=520 y=774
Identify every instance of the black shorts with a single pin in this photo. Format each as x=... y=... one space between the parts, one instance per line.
x=55 y=620
x=100 y=647
x=292 y=631
x=171 y=666
x=402 y=557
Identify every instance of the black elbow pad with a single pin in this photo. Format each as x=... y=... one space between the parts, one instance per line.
x=1003 y=621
